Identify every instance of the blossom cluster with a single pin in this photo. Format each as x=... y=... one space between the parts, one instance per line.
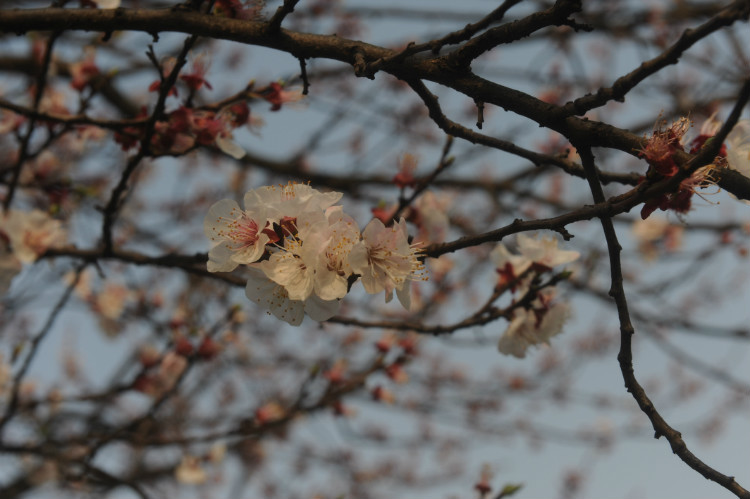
x=304 y=253
x=24 y=236
x=660 y=148
x=186 y=128
x=534 y=321
x=660 y=153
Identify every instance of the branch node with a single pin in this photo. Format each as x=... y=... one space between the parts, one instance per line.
x=360 y=66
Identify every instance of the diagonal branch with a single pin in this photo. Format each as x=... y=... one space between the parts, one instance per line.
x=625 y=357
x=739 y=9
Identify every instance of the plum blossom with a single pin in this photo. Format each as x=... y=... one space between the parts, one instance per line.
x=277 y=96
x=84 y=71
x=101 y=4
x=544 y=252
x=738 y=150
x=541 y=253
x=236 y=235
x=661 y=146
x=275 y=298
x=290 y=200
x=430 y=215
x=294 y=266
x=303 y=253
x=654 y=233
x=333 y=266
x=407 y=165
x=533 y=326
x=31 y=233
x=190 y=471
x=315 y=260
x=196 y=78
x=386 y=261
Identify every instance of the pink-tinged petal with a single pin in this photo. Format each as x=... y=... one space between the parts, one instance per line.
x=236 y=235
x=384 y=258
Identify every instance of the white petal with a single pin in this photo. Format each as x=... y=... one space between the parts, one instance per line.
x=230 y=147
x=321 y=310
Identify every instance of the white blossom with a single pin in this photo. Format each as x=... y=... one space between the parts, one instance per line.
x=533 y=326
x=31 y=233
x=386 y=261
x=190 y=471
x=738 y=147
x=544 y=251
x=236 y=235
x=289 y=201
x=275 y=299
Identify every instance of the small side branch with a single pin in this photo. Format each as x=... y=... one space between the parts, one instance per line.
x=274 y=24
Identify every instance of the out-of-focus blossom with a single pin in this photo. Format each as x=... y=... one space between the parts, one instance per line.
x=101 y=4
x=533 y=326
x=656 y=232
x=170 y=369
x=31 y=233
x=397 y=373
x=237 y=9
x=10 y=121
x=381 y=394
x=190 y=471
x=430 y=215
x=383 y=212
x=407 y=165
x=277 y=96
x=196 y=77
x=82 y=72
x=217 y=452
x=111 y=301
x=540 y=252
x=543 y=251
x=268 y=413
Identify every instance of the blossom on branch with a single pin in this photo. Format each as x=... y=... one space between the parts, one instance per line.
x=304 y=253
x=236 y=235
x=534 y=325
x=661 y=146
x=31 y=233
x=386 y=261
x=540 y=253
